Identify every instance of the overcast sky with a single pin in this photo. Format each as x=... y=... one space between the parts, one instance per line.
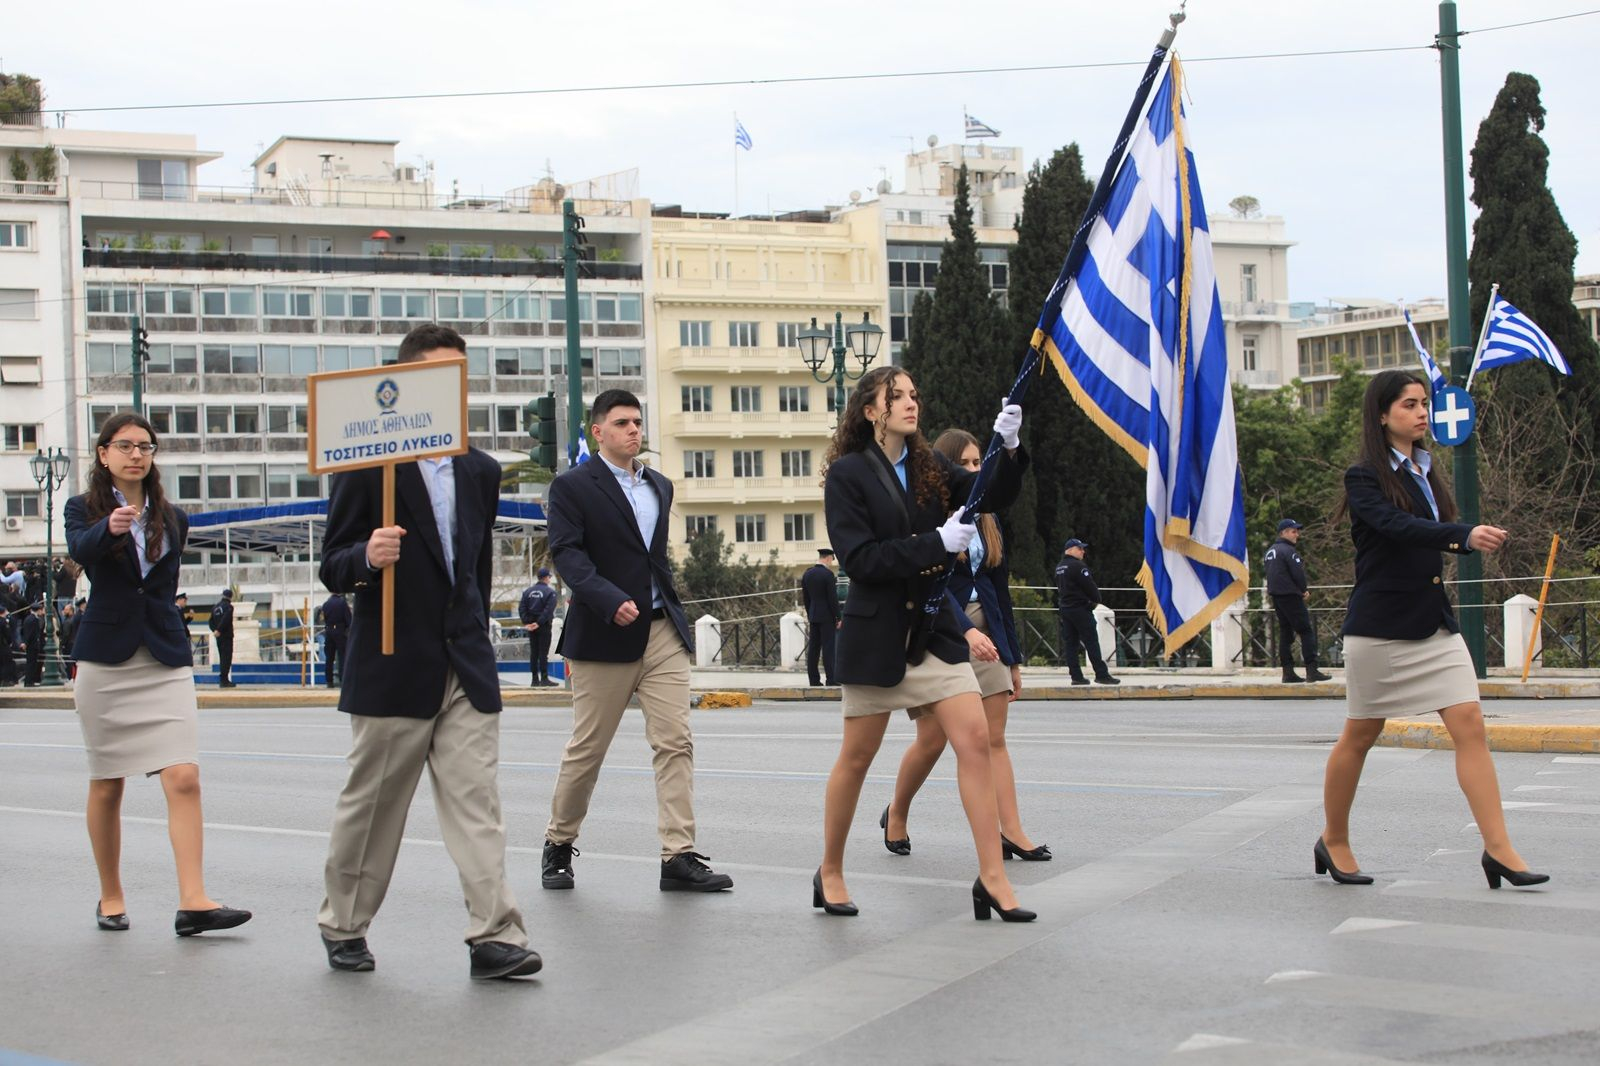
x=1345 y=147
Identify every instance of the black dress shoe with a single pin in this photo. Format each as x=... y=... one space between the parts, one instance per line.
x=1324 y=865
x=492 y=959
x=227 y=684
x=555 y=867
x=983 y=903
x=1495 y=870
x=1038 y=854
x=1107 y=680
x=687 y=872
x=188 y=923
x=1292 y=678
x=350 y=955
x=111 y=923
x=1080 y=681
x=896 y=847
x=1314 y=674
x=843 y=910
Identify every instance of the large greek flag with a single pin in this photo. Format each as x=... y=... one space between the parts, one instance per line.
x=1436 y=376
x=1509 y=336
x=1136 y=333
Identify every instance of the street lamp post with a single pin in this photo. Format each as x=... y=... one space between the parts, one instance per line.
x=50 y=472
x=861 y=340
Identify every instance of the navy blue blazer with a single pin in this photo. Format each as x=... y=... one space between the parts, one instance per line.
x=1399 y=590
x=441 y=619
x=994 y=596
x=597 y=550
x=127 y=609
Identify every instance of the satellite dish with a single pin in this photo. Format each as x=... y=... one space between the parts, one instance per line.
x=884 y=187
x=855 y=196
x=559 y=192
x=933 y=140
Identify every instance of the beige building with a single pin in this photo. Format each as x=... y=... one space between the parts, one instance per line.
x=744 y=425
x=1251 y=258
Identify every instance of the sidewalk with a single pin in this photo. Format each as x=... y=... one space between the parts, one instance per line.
x=1571 y=725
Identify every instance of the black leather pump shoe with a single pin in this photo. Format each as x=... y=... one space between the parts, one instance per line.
x=1038 y=854
x=111 y=923
x=843 y=910
x=983 y=903
x=1496 y=870
x=1319 y=855
x=896 y=847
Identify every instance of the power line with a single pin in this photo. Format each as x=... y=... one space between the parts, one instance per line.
x=1530 y=22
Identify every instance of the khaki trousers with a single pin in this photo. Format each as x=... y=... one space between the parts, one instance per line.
x=461 y=748
x=600 y=693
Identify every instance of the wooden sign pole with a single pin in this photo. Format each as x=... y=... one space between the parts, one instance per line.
x=388 y=571
x=1538 y=616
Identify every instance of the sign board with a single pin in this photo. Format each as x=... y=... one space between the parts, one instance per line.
x=1452 y=415
x=386 y=414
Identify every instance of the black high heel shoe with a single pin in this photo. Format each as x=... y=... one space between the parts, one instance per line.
x=896 y=847
x=1038 y=854
x=111 y=923
x=1325 y=865
x=843 y=910
x=1494 y=870
x=983 y=903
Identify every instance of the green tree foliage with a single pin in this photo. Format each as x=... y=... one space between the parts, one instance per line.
x=20 y=100
x=708 y=571
x=956 y=344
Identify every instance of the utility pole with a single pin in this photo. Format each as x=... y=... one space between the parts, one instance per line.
x=571 y=238
x=1469 y=569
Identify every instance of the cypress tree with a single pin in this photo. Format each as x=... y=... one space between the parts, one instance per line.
x=956 y=341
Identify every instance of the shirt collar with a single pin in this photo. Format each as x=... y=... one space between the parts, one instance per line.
x=123 y=500
x=632 y=475
x=1420 y=458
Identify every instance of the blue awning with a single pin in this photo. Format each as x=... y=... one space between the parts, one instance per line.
x=299 y=526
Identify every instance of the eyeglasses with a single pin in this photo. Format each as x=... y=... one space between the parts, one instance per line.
x=128 y=447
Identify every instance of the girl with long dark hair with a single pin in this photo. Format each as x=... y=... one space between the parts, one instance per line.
x=889 y=500
x=135 y=688
x=981 y=590
x=1403 y=650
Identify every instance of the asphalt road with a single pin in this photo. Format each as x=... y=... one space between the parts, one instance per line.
x=1181 y=921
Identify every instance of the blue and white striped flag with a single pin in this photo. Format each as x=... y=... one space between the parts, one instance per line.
x=741 y=136
x=976 y=129
x=580 y=454
x=1429 y=367
x=1136 y=333
x=1510 y=336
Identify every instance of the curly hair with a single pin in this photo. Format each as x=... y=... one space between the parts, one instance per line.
x=100 y=502
x=855 y=433
x=950 y=444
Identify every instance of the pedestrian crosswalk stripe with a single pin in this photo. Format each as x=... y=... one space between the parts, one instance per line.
x=1208 y=1049
x=1473 y=890
x=1437 y=1000
x=1563 y=948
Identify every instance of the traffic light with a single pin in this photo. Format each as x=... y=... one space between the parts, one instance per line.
x=141 y=345
x=539 y=419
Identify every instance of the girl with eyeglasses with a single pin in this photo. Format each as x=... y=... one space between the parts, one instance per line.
x=135 y=688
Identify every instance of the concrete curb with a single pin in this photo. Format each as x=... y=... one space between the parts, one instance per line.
x=1555 y=739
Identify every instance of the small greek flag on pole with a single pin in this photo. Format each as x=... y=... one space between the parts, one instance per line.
x=741 y=136
x=580 y=454
x=1509 y=336
x=976 y=129
x=1431 y=368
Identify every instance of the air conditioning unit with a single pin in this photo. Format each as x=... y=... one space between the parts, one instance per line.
x=13 y=524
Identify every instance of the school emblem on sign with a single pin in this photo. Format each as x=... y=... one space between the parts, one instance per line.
x=388 y=394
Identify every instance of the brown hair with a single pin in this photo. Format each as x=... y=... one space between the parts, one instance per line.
x=425 y=338
x=950 y=444
x=100 y=502
x=854 y=434
x=1382 y=391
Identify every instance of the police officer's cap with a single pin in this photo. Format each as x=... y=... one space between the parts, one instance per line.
x=544 y=571
x=1288 y=523
x=1073 y=543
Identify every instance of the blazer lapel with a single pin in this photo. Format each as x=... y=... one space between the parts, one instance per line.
x=613 y=492
x=409 y=486
x=663 y=489
x=889 y=480
x=469 y=522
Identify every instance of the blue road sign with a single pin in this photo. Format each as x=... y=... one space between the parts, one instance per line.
x=1452 y=416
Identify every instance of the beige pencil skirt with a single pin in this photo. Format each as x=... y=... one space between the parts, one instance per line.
x=993 y=678
x=137 y=717
x=925 y=684
x=1404 y=678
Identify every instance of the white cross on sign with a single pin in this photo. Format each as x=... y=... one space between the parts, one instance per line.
x=1453 y=415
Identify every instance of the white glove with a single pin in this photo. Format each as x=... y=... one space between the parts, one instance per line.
x=956 y=532
x=1008 y=423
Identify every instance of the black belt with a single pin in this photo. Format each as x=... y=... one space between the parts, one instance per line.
x=658 y=614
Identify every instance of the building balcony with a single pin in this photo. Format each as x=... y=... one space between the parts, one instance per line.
x=305 y=263
x=33 y=190
x=1255 y=309
x=734 y=360
x=1258 y=379
x=407 y=198
x=747 y=490
x=690 y=424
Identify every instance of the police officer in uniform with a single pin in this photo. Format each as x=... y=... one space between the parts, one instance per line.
x=221 y=624
x=537 y=610
x=1076 y=598
x=820 y=590
x=336 y=619
x=1286 y=584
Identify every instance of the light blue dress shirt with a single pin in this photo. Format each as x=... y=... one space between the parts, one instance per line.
x=900 y=465
x=439 y=476
x=641 y=496
x=1418 y=469
x=975 y=560
x=137 y=532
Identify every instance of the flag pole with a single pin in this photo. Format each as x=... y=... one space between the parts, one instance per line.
x=1483 y=334
x=735 y=165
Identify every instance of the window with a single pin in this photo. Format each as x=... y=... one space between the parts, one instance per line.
x=630 y=308
x=744 y=334
x=286 y=360
x=24 y=504
x=696 y=397
x=162 y=179
x=393 y=303
x=224 y=483
x=263 y=245
x=746 y=398
x=98 y=299
x=21 y=370
x=799 y=527
x=229 y=419
x=171 y=420
x=477 y=420
x=16 y=236
x=463 y=305
x=292 y=484
x=97 y=417
x=794 y=398
x=1247 y=351
x=287 y=303
x=797 y=463
x=519 y=362
x=694 y=334
x=833 y=400
x=517 y=306
x=789 y=334
x=747 y=463
x=477 y=361
x=1247 y=283
x=696 y=524
x=19 y=438
x=319 y=245
x=182 y=482
x=750 y=528
x=231 y=359
x=110 y=358
x=287 y=418
x=339 y=357
x=168 y=301
x=346 y=303
x=700 y=464
x=238 y=301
